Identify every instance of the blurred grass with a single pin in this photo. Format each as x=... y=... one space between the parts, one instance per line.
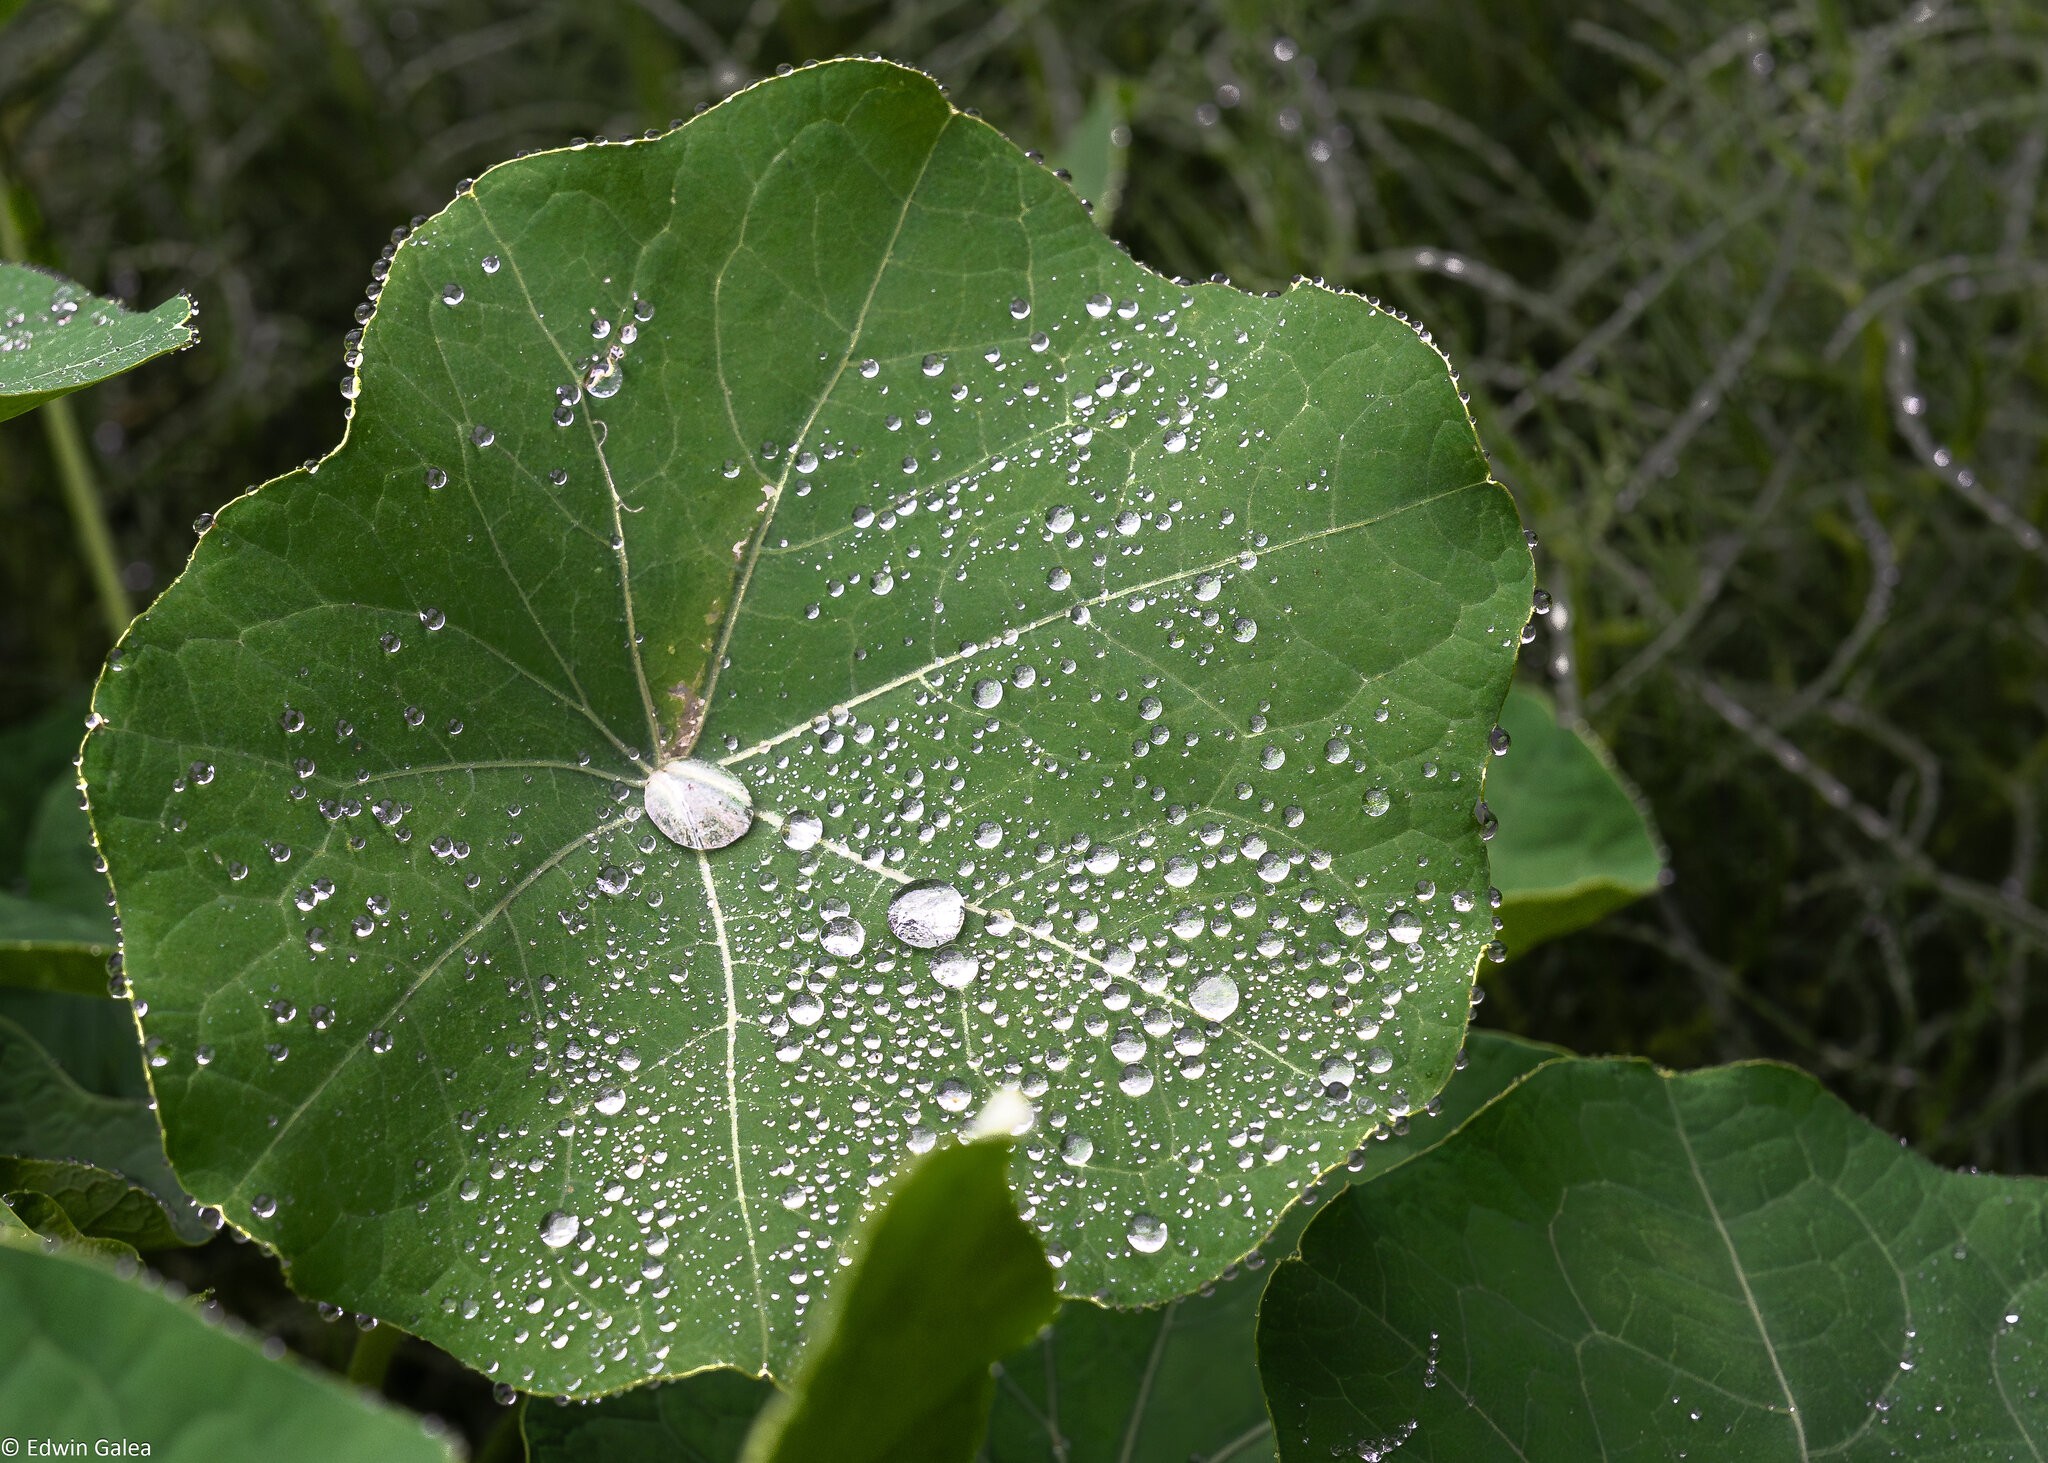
x=1750 y=302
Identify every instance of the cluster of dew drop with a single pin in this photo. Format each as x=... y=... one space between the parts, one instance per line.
x=67 y=311
x=1078 y=856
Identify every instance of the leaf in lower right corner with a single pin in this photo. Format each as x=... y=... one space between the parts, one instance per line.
x=1611 y=1261
x=1574 y=843
x=56 y=337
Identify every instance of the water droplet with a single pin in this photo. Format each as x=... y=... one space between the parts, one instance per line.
x=988 y=694
x=933 y=364
x=870 y=368
x=491 y=264
x=1098 y=306
x=1214 y=997
x=844 y=937
x=1244 y=630
x=611 y=1102
x=1020 y=309
x=697 y=804
x=451 y=294
x=263 y=1206
x=802 y=830
x=1147 y=1234
x=1135 y=1080
x=611 y=879
x=927 y=915
x=1208 y=586
x=955 y=969
x=1405 y=927
x=558 y=1228
x=432 y=618
x=1377 y=802
x=1077 y=1149
x=1059 y=519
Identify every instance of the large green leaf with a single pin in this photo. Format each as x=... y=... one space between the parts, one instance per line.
x=1180 y=1382
x=100 y=1158
x=86 y=1354
x=56 y=337
x=1163 y=655
x=1574 y=843
x=1614 y=1262
x=945 y=1280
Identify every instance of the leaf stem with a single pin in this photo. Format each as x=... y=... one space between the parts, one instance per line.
x=371 y=1359
x=74 y=467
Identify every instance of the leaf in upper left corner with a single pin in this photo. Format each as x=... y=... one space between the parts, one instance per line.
x=56 y=336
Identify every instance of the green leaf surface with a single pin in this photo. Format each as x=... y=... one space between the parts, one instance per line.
x=1613 y=1262
x=1179 y=1383
x=1096 y=153
x=33 y=1212
x=101 y=1158
x=86 y=1354
x=697 y=1419
x=898 y=1369
x=1574 y=842
x=91 y=1037
x=1152 y=632
x=56 y=337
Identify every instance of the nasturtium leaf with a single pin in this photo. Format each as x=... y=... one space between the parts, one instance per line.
x=944 y=1280
x=33 y=1212
x=86 y=1353
x=1612 y=1261
x=817 y=462
x=58 y=933
x=704 y=1418
x=56 y=337
x=100 y=1158
x=1574 y=843
x=1180 y=1382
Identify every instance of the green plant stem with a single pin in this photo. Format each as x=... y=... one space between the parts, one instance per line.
x=74 y=467
x=371 y=1359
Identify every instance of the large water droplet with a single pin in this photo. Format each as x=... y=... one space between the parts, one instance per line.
x=697 y=804
x=1147 y=1234
x=1077 y=1149
x=1214 y=997
x=955 y=969
x=927 y=915
x=803 y=830
x=844 y=937
x=558 y=1228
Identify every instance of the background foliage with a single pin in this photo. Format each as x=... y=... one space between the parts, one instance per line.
x=1750 y=301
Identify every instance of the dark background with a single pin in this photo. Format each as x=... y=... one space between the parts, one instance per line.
x=1750 y=302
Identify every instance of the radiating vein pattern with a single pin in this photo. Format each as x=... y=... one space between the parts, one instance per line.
x=1148 y=633
x=1613 y=1262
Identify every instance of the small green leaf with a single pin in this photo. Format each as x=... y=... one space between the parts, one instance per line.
x=1091 y=674
x=703 y=1418
x=56 y=337
x=944 y=1280
x=59 y=934
x=1181 y=1381
x=87 y=1354
x=100 y=1158
x=1096 y=153
x=48 y=1218
x=1574 y=842
x=91 y=1037
x=1612 y=1261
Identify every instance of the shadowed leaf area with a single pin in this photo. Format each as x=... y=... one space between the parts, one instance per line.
x=1611 y=1262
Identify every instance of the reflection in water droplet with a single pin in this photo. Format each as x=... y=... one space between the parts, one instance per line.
x=1077 y=1149
x=697 y=804
x=1214 y=997
x=1377 y=802
x=988 y=694
x=1405 y=927
x=1135 y=1080
x=927 y=915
